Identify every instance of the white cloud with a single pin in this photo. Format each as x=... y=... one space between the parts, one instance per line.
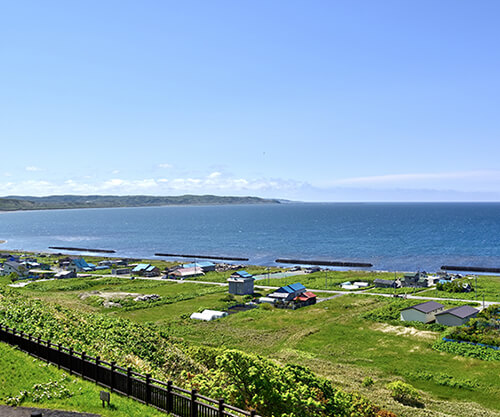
x=460 y=180
x=166 y=166
x=115 y=172
x=32 y=168
x=214 y=182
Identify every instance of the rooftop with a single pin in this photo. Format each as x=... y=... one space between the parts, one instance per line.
x=461 y=312
x=426 y=307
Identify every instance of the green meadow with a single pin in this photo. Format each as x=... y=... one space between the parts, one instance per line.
x=332 y=338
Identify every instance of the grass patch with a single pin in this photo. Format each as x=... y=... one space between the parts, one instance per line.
x=489 y=286
x=21 y=372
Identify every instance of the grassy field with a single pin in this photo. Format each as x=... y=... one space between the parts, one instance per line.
x=68 y=293
x=330 y=280
x=334 y=341
x=404 y=290
x=489 y=286
x=332 y=337
x=20 y=372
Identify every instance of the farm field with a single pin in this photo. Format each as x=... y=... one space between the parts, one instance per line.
x=332 y=338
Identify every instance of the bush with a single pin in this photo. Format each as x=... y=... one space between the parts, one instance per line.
x=465 y=349
x=385 y=413
x=266 y=306
x=367 y=381
x=251 y=381
x=405 y=393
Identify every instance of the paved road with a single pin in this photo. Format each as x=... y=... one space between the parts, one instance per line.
x=6 y=411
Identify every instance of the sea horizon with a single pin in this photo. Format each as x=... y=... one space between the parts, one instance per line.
x=396 y=236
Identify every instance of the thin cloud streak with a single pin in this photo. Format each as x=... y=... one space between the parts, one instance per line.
x=404 y=178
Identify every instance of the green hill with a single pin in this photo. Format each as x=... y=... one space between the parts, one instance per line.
x=12 y=203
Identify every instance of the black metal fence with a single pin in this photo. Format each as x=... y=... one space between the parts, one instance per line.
x=163 y=396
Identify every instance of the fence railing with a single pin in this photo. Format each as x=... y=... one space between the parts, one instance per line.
x=162 y=395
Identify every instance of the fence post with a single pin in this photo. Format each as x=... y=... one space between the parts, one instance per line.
x=129 y=380
x=83 y=365
x=59 y=348
x=194 y=406
x=97 y=360
x=38 y=347
x=70 y=360
x=221 y=407
x=113 y=363
x=148 y=388
x=170 y=398
x=49 y=353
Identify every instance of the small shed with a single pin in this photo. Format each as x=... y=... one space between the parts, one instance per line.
x=268 y=300
x=65 y=274
x=423 y=312
x=208 y=315
x=385 y=283
x=456 y=316
x=241 y=283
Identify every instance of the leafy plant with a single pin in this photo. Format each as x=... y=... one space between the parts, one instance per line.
x=287 y=391
x=42 y=392
x=405 y=393
x=367 y=381
x=465 y=349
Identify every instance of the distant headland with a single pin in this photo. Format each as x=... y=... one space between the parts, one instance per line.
x=16 y=203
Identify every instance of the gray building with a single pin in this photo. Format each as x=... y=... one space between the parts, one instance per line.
x=456 y=316
x=385 y=283
x=16 y=268
x=423 y=312
x=241 y=283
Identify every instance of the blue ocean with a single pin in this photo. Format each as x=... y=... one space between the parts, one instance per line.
x=391 y=236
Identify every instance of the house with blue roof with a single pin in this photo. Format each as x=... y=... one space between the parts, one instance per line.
x=79 y=264
x=241 y=274
x=146 y=270
x=288 y=292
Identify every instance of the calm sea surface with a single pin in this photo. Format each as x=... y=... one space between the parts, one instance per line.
x=396 y=236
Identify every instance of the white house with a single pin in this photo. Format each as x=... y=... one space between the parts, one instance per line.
x=423 y=312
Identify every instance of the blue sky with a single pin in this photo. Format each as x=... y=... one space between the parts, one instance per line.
x=305 y=100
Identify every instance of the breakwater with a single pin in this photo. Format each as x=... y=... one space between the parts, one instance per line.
x=324 y=263
x=82 y=249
